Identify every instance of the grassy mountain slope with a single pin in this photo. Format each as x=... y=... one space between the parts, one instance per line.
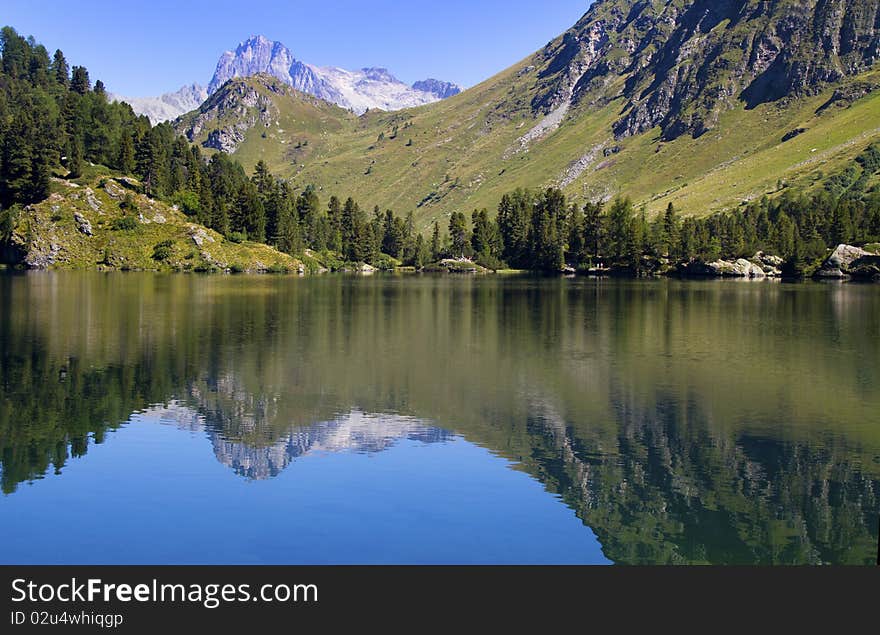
x=556 y=119
x=99 y=222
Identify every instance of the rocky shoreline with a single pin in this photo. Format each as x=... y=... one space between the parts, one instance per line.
x=845 y=262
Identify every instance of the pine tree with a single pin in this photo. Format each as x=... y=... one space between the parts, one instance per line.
x=670 y=232
x=620 y=227
x=350 y=230
x=392 y=235
x=577 y=248
x=421 y=253
x=544 y=236
x=334 y=225
x=435 y=242
x=637 y=241
x=126 y=162
x=594 y=229
x=80 y=83
x=408 y=238
x=514 y=218
x=250 y=218
x=74 y=158
x=481 y=238
x=842 y=226
x=153 y=164
x=458 y=233
x=60 y=69
x=308 y=209
x=376 y=233
x=289 y=236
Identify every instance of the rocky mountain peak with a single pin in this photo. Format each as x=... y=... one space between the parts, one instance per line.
x=378 y=74
x=255 y=55
x=438 y=88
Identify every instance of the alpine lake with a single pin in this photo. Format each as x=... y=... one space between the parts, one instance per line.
x=418 y=419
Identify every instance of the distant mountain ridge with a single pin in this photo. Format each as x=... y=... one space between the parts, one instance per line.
x=359 y=90
x=168 y=106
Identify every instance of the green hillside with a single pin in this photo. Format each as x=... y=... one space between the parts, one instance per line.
x=100 y=222
x=465 y=152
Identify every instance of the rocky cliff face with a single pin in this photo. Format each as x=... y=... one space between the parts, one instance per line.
x=680 y=63
x=242 y=106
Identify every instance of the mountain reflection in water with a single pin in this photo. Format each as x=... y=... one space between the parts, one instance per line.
x=356 y=432
x=697 y=422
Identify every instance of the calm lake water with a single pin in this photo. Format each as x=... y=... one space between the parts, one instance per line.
x=189 y=419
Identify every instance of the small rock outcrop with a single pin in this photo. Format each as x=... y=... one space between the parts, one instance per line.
x=740 y=268
x=770 y=264
x=92 y=202
x=866 y=268
x=200 y=237
x=82 y=223
x=839 y=264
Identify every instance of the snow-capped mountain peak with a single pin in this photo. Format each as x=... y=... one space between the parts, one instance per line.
x=360 y=90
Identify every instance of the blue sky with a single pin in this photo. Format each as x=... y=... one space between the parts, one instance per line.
x=147 y=48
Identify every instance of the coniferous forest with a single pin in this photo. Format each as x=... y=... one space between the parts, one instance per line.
x=55 y=121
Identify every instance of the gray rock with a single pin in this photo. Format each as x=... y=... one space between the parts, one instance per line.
x=741 y=268
x=771 y=265
x=114 y=191
x=42 y=256
x=749 y=269
x=200 y=236
x=837 y=265
x=866 y=268
x=83 y=223
x=92 y=202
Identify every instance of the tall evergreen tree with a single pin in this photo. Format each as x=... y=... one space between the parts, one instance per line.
x=458 y=233
x=594 y=229
x=74 y=158
x=620 y=228
x=669 y=241
x=80 y=82
x=60 y=69
x=334 y=229
x=514 y=218
x=435 y=242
